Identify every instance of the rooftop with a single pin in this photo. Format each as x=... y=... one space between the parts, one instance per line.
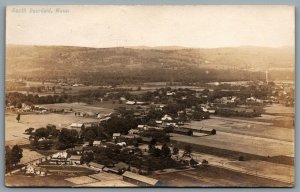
x=141 y=178
x=97 y=165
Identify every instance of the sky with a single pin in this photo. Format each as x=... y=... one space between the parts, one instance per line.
x=204 y=26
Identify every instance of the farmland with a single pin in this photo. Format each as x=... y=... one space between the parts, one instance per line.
x=264 y=143
x=215 y=177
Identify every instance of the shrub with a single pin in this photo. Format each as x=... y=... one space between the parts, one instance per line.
x=241 y=158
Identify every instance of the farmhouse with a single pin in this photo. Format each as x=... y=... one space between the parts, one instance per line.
x=139 y=180
x=75 y=159
x=116 y=135
x=31 y=169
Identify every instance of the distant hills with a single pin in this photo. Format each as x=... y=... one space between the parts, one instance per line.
x=55 y=61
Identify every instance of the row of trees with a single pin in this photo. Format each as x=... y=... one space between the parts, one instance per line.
x=16 y=99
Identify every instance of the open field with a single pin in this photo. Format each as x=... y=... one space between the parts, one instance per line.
x=29 y=156
x=277 y=109
x=111 y=183
x=242 y=127
x=275 y=171
x=104 y=176
x=79 y=107
x=105 y=179
x=36 y=181
x=260 y=168
x=240 y=143
x=211 y=176
x=81 y=180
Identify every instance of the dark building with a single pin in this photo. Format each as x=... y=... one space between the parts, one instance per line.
x=208 y=131
x=183 y=131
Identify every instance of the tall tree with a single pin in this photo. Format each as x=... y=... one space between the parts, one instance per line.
x=187 y=150
x=90 y=136
x=165 y=150
x=16 y=154
x=18 y=118
x=175 y=151
x=8 y=164
x=68 y=137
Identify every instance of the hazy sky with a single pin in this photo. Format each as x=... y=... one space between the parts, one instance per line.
x=189 y=26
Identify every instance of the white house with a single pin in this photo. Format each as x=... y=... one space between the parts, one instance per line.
x=30 y=169
x=170 y=93
x=121 y=144
x=158 y=122
x=116 y=135
x=96 y=143
x=130 y=102
x=133 y=131
x=167 y=118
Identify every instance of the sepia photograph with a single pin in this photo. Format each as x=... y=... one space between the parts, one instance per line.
x=150 y=96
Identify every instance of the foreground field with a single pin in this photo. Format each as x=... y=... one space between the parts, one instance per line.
x=215 y=177
x=29 y=181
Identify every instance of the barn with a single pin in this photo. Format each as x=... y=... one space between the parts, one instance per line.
x=183 y=131
x=139 y=180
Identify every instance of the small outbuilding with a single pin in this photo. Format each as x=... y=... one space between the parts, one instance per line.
x=208 y=131
x=96 y=143
x=183 y=131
